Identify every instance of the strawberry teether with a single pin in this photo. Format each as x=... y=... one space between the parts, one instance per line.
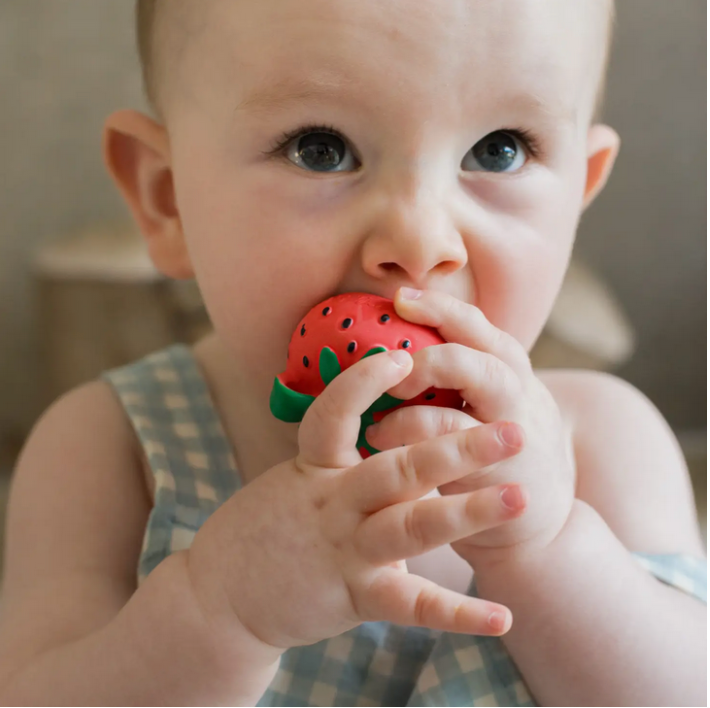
x=332 y=337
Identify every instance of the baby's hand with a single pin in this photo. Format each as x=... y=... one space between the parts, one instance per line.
x=313 y=547
x=492 y=372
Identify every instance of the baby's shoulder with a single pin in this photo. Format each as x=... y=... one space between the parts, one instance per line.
x=607 y=414
x=584 y=395
x=630 y=467
x=88 y=422
x=76 y=514
x=83 y=450
x=606 y=419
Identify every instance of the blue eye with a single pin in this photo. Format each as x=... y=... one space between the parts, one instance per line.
x=321 y=152
x=497 y=152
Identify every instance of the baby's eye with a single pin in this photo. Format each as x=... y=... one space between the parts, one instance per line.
x=499 y=151
x=321 y=152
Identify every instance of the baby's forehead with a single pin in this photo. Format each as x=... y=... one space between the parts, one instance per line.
x=257 y=48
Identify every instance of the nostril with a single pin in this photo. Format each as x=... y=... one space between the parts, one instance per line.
x=447 y=267
x=389 y=266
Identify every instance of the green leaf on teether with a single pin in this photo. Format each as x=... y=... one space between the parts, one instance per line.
x=384 y=402
x=367 y=446
x=287 y=405
x=366 y=421
x=374 y=350
x=328 y=365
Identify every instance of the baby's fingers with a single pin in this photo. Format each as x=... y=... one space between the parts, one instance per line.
x=410 y=600
x=412 y=424
x=408 y=473
x=412 y=528
x=329 y=431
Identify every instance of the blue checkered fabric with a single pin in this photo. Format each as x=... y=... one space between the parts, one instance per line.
x=377 y=664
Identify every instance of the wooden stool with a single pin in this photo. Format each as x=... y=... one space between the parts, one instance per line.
x=102 y=304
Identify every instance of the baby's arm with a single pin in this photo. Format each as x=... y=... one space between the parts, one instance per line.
x=209 y=624
x=590 y=626
x=73 y=629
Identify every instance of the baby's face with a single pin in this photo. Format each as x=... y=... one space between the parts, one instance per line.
x=324 y=146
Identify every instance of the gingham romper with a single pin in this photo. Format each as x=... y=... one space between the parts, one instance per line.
x=377 y=664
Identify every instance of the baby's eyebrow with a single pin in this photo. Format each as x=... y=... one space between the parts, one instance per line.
x=288 y=91
x=552 y=110
x=291 y=91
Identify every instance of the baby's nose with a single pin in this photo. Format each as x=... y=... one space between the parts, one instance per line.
x=413 y=239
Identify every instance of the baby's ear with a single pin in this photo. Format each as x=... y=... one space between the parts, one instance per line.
x=137 y=154
x=602 y=148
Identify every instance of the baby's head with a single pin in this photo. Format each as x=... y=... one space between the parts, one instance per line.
x=305 y=148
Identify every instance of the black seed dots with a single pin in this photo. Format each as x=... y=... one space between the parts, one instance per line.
x=384 y=318
x=303 y=330
x=352 y=347
x=305 y=361
x=405 y=344
x=327 y=311
x=347 y=322
x=429 y=396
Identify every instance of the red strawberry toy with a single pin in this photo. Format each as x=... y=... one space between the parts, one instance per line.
x=332 y=337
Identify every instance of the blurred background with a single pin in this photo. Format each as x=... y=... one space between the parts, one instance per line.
x=77 y=294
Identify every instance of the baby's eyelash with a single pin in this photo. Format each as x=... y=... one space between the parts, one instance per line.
x=285 y=139
x=529 y=140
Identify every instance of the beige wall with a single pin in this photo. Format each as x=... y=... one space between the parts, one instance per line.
x=64 y=64
x=647 y=232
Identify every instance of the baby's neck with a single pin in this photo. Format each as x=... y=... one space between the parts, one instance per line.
x=259 y=440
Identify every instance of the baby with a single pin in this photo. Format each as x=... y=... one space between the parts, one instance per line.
x=171 y=542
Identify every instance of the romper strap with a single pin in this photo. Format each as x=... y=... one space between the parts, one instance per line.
x=168 y=403
x=680 y=570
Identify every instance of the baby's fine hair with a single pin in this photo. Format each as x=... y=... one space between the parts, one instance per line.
x=163 y=28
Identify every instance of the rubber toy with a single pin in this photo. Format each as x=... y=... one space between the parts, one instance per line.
x=336 y=334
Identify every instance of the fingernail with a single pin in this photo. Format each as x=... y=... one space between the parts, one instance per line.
x=498 y=621
x=410 y=293
x=513 y=497
x=511 y=434
x=400 y=357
